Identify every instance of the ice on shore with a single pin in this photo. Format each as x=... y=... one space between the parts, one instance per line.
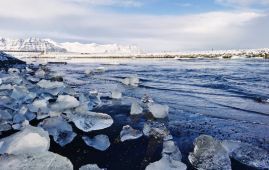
x=90 y=121
x=90 y=167
x=209 y=154
x=166 y=163
x=132 y=81
x=155 y=129
x=247 y=154
x=35 y=161
x=158 y=110
x=99 y=142
x=64 y=102
x=136 y=109
x=29 y=140
x=116 y=94
x=61 y=131
x=128 y=133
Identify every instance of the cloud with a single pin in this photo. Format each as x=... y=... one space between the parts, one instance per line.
x=125 y=3
x=72 y=21
x=244 y=3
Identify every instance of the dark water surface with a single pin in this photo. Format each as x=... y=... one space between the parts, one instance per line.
x=222 y=98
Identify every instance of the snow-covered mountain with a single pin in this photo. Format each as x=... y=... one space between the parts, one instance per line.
x=29 y=44
x=48 y=45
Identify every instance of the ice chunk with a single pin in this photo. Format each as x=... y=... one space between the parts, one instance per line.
x=47 y=84
x=166 y=163
x=147 y=99
x=18 y=118
x=4 y=126
x=29 y=140
x=132 y=81
x=128 y=133
x=247 y=154
x=209 y=154
x=21 y=125
x=91 y=121
x=64 y=102
x=37 y=161
x=170 y=148
x=21 y=93
x=158 y=111
x=40 y=73
x=100 y=70
x=116 y=94
x=90 y=167
x=136 y=109
x=39 y=106
x=155 y=129
x=5 y=115
x=61 y=131
x=100 y=142
x=88 y=71
x=1 y=81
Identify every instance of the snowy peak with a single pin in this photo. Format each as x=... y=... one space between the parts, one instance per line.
x=29 y=44
x=48 y=45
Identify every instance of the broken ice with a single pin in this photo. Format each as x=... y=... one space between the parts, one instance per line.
x=132 y=81
x=209 y=154
x=116 y=94
x=64 y=102
x=155 y=129
x=136 y=109
x=158 y=111
x=90 y=167
x=61 y=131
x=128 y=133
x=99 y=142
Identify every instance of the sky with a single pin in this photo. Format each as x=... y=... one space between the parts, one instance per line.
x=152 y=25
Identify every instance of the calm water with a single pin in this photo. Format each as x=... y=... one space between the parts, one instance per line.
x=221 y=98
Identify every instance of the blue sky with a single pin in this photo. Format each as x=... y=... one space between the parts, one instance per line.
x=152 y=25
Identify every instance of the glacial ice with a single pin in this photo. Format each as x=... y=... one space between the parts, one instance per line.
x=155 y=129
x=99 y=142
x=61 y=131
x=91 y=121
x=88 y=71
x=136 y=109
x=39 y=106
x=35 y=161
x=29 y=140
x=40 y=73
x=1 y=81
x=132 y=81
x=166 y=163
x=116 y=94
x=128 y=133
x=18 y=118
x=21 y=93
x=209 y=154
x=47 y=84
x=90 y=167
x=247 y=154
x=99 y=69
x=64 y=102
x=158 y=111
x=21 y=125
x=13 y=71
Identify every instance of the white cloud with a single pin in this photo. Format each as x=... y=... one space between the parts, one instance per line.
x=244 y=2
x=64 y=21
x=127 y=3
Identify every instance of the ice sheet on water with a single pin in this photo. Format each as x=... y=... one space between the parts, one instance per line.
x=247 y=154
x=29 y=140
x=61 y=131
x=158 y=110
x=209 y=154
x=155 y=129
x=65 y=102
x=136 y=109
x=128 y=133
x=90 y=167
x=99 y=142
x=35 y=161
x=90 y=121
x=116 y=94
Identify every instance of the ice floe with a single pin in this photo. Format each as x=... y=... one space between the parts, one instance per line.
x=61 y=131
x=47 y=84
x=128 y=133
x=209 y=154
x=29 y=140
x=21 y=93
x=40 y=73
x=35 y=161
x=90 y=167
x=99 y=142
x=247 y=154
x=136 y=109
x=158 y=110
x=91 y=121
